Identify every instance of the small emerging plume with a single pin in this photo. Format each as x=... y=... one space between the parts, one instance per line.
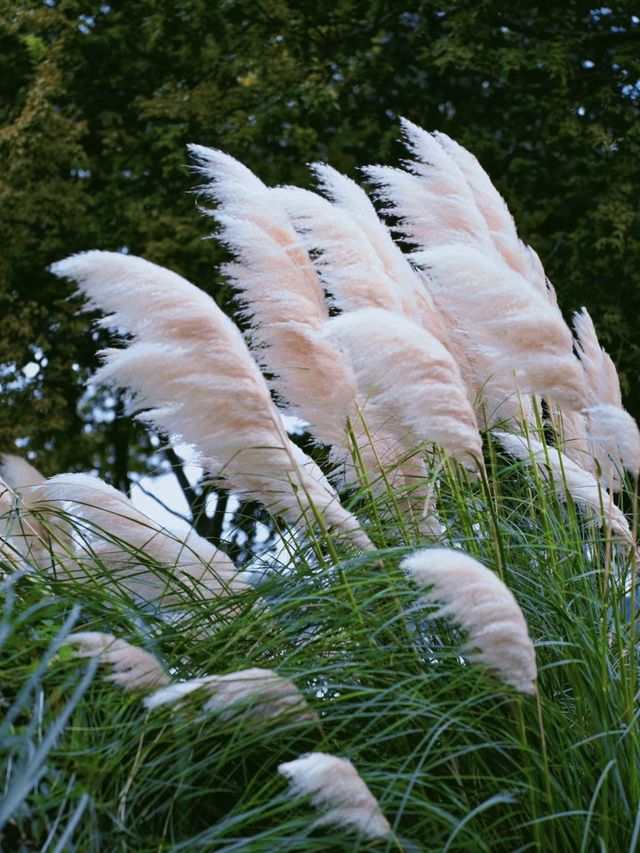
x=336 y=787
x=479 y=602
x=266 y=694
x=133 y=667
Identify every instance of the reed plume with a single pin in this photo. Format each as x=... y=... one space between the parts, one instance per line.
x=365 y=271
x=10 y=551
x=19 y=474
x=526 y=347
x=612 y=432
x=282 y=297
x=336 y=787
x=261 y=692
x=193 y=375
x=111 y=533
x=39 y=541
x=480 y=603
x=411 y=380
x=566 y=476
x=133 y=668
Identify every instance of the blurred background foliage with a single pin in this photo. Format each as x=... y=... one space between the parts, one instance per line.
x=99 y=100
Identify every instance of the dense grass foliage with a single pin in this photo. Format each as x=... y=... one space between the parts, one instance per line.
x=456 y=760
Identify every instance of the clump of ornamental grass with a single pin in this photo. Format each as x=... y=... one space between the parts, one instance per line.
x=453 y=613
x=452 y=754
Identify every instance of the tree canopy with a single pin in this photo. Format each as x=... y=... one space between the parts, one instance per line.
x=99 y=100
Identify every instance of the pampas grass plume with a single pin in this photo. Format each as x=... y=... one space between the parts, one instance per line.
x=192 y=372
x=566 y=476
x=480 y=603
x=18 y=473
x=335 y=786
x=115 y=532
x=269 y=695
x=133 y=667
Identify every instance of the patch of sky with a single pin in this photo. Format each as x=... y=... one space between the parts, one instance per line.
x=410 y=19
x=631 y=90
x=87 y=23
x=161 y=499
x=31 y=369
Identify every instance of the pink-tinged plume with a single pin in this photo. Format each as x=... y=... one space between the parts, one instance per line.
x=565 y=476
x=489 y=202
x=411 y=380
x=479 y=602
x=133 y=668
x=282 y=297
x=193 y=374
x=416 y=301
x=18 y=473
x=31 y=536
x=336 y=787
x=514 y=337
x=613 y=433
x=260 y=693
x=115 y=536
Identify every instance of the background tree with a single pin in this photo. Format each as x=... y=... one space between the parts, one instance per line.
x=98 y=101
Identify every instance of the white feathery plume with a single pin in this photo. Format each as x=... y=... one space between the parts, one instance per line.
x=282 y=297
x=284 y=300
x=432 y=198
x=116 y=534
x=525 y=347
x=35 y=539
x=6 y=497
x=192 y=371
x=412 y=379
x=489 y=202
x=10 y=550
x=566 y=476
x=336 y=787
x=479 y=602
x=500 y=223
x=266 y=693
x=365 y=271
x=572 y=432
x=349 y=266
x=415 y=299
x=612 y=431
x=133 y=668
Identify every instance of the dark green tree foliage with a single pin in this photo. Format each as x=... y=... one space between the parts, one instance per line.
x=97 y=103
